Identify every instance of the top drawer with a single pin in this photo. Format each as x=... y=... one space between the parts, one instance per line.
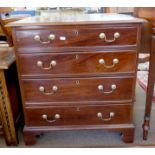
x=76 y=37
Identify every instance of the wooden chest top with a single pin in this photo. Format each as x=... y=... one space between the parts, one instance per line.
x=75 y=19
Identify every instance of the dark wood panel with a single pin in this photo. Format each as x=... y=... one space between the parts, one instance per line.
x=77 y=63
x=78 y=89
x=77 y=37
x=86 y=115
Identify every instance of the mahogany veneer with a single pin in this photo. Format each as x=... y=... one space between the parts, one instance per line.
x=79 y=115
x=76 y=36
x=79 y=89
x=82 y=63
x=77 y=72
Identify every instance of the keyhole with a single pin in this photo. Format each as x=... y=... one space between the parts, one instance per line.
x=76 y=56
x=78 y=109
x=76 y=32
x=77 y=82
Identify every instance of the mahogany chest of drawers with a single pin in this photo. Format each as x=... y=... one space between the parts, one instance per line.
x=77 y=72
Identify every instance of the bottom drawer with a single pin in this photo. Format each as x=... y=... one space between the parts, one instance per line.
x=84 y=115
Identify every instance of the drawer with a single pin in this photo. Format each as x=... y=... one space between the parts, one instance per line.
x=115 y=35
x=78 y=89
x=86 y=115
x=108 y=36
x=77 y=63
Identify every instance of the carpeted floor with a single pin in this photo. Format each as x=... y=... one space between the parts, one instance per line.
x=98 y=138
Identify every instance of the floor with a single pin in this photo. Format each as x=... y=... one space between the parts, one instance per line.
x=98 y=138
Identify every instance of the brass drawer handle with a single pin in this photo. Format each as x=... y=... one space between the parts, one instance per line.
x=103 y=36
x=115 y=61
x=100 y=115
x=54 y=90
x=50 y=37
x=41 y=65
x=56 y=117
x=101 y=89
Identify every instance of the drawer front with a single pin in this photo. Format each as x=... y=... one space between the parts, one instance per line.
x=78 y=89
x=28 y=38
x=86 y=115
x=77 y=37
x=77 y=63
x=108 y=36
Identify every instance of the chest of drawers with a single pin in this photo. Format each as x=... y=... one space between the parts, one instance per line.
x=77 y=72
